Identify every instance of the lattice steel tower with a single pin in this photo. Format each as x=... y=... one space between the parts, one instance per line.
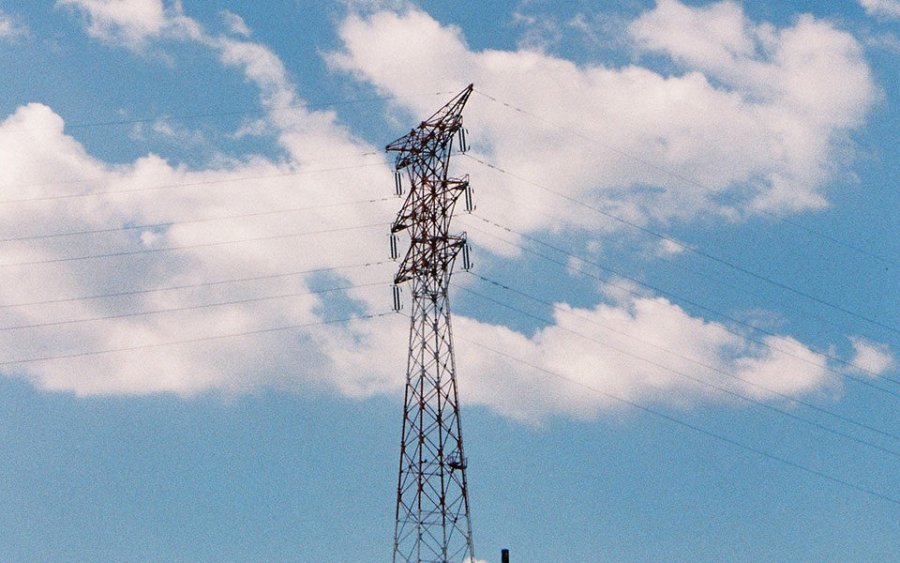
x=433 y=521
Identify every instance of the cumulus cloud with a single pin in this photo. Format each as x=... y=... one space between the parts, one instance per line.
x=883 y=8
x=226 y=223
x=754 y=118
x=246 y=239
x=37 y=155
x=641 y=350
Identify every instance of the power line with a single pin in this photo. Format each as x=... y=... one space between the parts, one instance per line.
x=656 y=289
x=132 y=292
x=556 y=307
x=690 y=377
x=189 y=184
x=186 y=308
x=87 y=180
x=706 y=276
x=39 y=359
x=187 y=246
x=193 y=221
x=691 y=181
x=691 y=249
x=695 y=428
x=231 y=113
x=644 y=284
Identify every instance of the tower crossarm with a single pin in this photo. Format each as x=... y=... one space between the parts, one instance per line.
x=436 y=131
x=432 y=204
x=431 y=259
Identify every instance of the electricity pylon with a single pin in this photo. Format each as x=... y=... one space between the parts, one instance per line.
x=432 y=520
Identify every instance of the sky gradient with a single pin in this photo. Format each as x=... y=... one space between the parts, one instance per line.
x=678 y=342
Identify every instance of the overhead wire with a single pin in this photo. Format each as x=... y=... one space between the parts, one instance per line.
x=148 y=312
x=86 y=180
x=39 y=359
x=859 y=380
x=688 y=180
x=173 y=186
x=145 y=251
x=689 y=248
x=791 y=304
x=685 y=424
x=696 y=380
x=143 y=291
x=257 y=111
x=168 y=224
x=556 y=307
x=659 y=290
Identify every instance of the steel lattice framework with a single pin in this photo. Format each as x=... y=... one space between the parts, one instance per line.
x=432 y=519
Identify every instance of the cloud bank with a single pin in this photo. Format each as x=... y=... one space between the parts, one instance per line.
x=250 y=244
x=752 y=114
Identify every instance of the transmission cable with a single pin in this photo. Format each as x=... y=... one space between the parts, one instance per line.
x=145 y=251
x=168 y=224
x=718 y=370
x=791 y=304
x=187 y=308
x=653 y=288
x=685 y=424
x=632 y=292
x=691 y=181
x=39 y=359
x=228 y=180
x=131 y=292
x=699 y=381
x=689 y=248
x=86 y=180
x=229 y=113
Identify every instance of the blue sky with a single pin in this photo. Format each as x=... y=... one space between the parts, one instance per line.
x=679 y=340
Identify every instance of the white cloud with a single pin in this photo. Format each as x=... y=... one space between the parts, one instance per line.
x=35 y=155
x=667 y=247
x=884 y=8
x=10 y=28
x=131 y=22
x=755 y=113
x=362 y=358
x=251 y=128
x=641 y=350
x=871 y=357
x=884 y=41
x=35 y=150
